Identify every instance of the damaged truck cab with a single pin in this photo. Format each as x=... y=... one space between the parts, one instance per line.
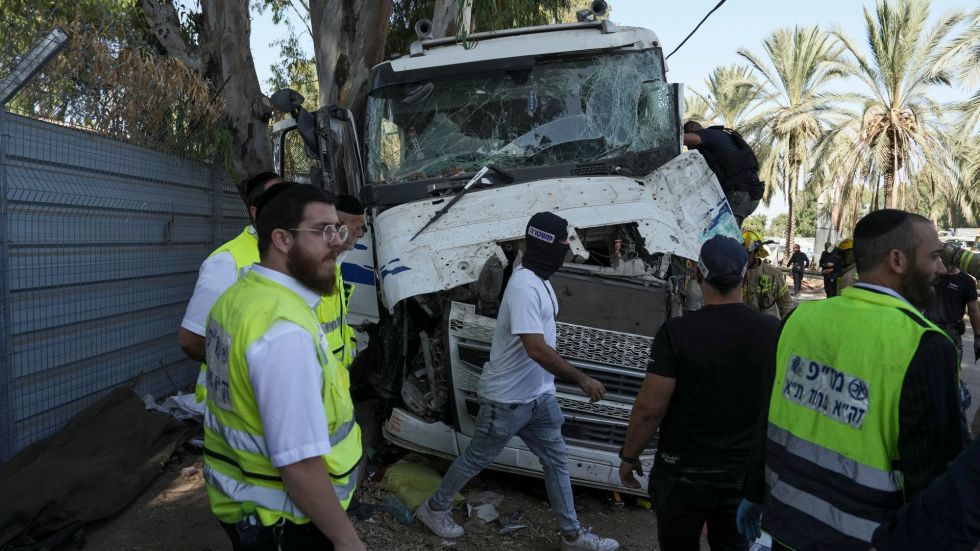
x=577 y=119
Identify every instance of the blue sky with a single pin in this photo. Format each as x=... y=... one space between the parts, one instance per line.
x=738 y=23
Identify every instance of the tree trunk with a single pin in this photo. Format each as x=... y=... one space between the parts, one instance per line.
x=447 y=17
x=348 y=39
x=223 y=28
x=791 y=187
x=891 y=174
x=888 y=190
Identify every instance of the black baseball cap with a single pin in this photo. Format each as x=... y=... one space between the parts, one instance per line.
x=723 y=260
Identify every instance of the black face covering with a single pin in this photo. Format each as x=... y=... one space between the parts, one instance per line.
x=545 y=251
x=545 y=261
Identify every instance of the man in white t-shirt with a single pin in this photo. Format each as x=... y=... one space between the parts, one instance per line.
x=219 y=271
x=517 y=391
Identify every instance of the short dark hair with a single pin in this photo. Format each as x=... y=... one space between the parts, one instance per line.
x=251 y=187
x=282 y=208
x=691 y=126
x=724 y=285
x=883 y=231
x=349 y=204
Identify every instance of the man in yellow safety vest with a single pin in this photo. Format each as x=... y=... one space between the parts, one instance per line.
x=281 y=447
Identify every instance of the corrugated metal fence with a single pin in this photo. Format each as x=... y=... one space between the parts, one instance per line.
x=100 y=242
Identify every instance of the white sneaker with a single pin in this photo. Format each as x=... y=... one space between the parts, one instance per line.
x=589 y=540
x=442 y=524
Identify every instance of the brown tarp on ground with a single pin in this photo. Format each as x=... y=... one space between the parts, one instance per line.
x=89 y=470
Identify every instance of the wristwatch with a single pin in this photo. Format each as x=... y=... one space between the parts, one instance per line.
x=624 y=459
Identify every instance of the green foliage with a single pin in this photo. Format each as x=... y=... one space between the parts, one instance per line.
x=895 y=133
x=806 y=218
x=113 y=78
x=755 y=222
x=778 y=224
x=732 y=91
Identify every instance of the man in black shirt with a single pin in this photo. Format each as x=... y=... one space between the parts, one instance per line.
x=798 y=262
x=706 y=373
x=732 y=161
x=828 y=267
x=956 y=292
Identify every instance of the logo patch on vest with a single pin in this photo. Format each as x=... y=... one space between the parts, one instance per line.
x=824 y=389
x=218 y=355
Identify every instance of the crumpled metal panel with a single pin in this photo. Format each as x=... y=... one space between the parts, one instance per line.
x=676 y=208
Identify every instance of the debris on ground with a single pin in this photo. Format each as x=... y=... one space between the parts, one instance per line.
x=511 y=522
x=183 y=407
x=413 y=483
x=486 y=512
x=188 y=471
x=397 y=509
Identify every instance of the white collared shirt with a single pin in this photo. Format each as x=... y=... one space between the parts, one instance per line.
x=287 y=378
x=217 y=273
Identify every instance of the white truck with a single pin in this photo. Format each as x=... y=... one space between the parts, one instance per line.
x=573 y=118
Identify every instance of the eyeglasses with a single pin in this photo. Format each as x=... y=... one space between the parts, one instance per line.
x=329 y=232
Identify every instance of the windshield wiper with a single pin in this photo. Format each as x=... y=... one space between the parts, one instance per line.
x=505 y=176
x=459 y=195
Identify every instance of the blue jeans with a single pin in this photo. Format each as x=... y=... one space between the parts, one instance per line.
x=538 y=423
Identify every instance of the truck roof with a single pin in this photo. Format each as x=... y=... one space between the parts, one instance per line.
x=513 y=44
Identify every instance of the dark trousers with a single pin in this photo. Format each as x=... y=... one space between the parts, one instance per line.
x=830 y=286
x=294 y=537
x=797 y=280
x=684 y=507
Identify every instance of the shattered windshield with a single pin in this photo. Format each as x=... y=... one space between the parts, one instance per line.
x=568 y=110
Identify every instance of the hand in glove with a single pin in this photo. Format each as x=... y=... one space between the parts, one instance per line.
x=748 y=519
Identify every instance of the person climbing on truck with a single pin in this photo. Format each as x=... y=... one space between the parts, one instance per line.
x=732 y=161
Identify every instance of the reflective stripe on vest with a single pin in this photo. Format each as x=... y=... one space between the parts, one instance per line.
x=812 y=506
x=832 y=461
x=332 y=313
x=242 y=440
x=271 y=498
x=833 y=419
x=236 y=451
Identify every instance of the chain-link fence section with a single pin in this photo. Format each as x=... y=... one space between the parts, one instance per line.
x=100 y=239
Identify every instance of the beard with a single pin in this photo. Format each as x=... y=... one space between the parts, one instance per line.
x=918 y=288
x=306 y=269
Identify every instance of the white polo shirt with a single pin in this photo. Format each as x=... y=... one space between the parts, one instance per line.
x=529 y=306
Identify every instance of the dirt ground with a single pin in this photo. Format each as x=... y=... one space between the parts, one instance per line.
x=172 y=514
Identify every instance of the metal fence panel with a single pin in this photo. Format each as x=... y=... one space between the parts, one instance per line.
x=100 y=242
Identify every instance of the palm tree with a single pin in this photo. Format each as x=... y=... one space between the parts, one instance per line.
x=732 y=91
x=795 y=108
x=953 y=199
x=897 y=125
x=695 y=108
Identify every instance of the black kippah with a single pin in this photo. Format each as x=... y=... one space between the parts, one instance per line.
x=251 y=187
x=349 y=204
x=263 y=199
x=879 y=222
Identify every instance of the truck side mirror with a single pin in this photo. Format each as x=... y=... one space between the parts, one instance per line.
x=287 y=100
